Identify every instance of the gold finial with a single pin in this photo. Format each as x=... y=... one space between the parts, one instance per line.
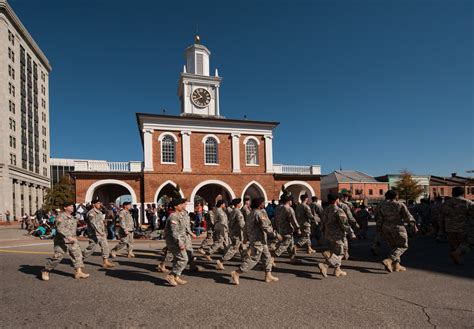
x=197 y=39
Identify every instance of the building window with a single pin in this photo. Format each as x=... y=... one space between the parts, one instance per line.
x=11 y=106
x=11 y=72
x=211 y=151
x=43 y=130
x=441 y=190
x=11 y=89
x=13 y=159
x=45 y=171
x=381 y=192
x=168 y=150
x=251 y=152
x=12 y=142
x=472 y=190
x=371 y=192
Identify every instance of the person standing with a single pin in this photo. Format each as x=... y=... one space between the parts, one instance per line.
x=221 y=239
x=258 y=229
x=317 y=211
x=126 y=231
x=390 y=216
x=458 y=216
x=305 y=219
x=334 y=223
x=287 y=226
x=97 y=234
x=362 y=217
x=65 y=241
x=134 y=211
x=209 y=217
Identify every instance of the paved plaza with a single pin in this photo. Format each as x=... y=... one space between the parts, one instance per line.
x=432 y=293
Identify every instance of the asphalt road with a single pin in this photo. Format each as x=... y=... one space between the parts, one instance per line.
x=432 y=293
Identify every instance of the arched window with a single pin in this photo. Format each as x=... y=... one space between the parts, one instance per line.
x=210 y=151
x=168 y=148
x=251 y=152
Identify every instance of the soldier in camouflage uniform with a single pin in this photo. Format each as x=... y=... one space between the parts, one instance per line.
x=287 y=226
x=221 y=228
x=96 y=233
x=458 y=215
x=258 y=228
x=348 y=209
x=236 y=226
x=209 y=240
x=126 y=231
x=334 y=227
x=389 y=217
x=317 y=211
x=246 y=212
x=65 y=241
x=435 y=218
x=305 y=220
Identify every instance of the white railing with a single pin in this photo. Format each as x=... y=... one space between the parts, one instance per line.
x=106 y=166
x=296 y=170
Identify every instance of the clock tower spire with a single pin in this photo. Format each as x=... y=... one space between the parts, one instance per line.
x=197 y=90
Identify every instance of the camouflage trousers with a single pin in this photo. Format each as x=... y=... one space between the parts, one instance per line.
x=459 y=242
x=397 y=239
x=221 y=241
x=126 y=241
x=60 y=249
x=180 y=260
x=286 y=244
x=336 y=247
x=305 y=235
x=95 y=240
x=316 y=232
x=209 y=240
x=236 y=246
x=257 y=251
x=169 y=257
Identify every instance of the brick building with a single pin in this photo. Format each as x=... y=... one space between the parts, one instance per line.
x=200 y=151
x=443 y=186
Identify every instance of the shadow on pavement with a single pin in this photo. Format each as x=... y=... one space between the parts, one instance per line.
x=36 y=271
x=131 y=275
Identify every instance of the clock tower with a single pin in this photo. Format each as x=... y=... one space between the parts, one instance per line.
x=197 y=90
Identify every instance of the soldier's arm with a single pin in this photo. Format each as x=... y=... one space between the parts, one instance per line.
x=342 y=219
x=293 y=220
x=62 y=229
x=123 y=221
x=173 y=221
x=309 y=214
x=406 y=216
x=351 y=218
x=240 y=220
x=265 y=224
x=94 y=223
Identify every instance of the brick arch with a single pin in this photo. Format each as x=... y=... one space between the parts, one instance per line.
x=298 y=182
x=260 y=187
x=211 y=181
x=94 y=186
x=158 y=190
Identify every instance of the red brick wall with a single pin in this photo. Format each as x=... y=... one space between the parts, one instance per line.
x=224 y=154
x=365 y=187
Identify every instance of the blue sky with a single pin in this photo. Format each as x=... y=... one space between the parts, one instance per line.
x=376 y=86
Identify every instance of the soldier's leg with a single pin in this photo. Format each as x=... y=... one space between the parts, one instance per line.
x=400 y=240
x=208 y=241
x=266 y=259
x=232 y=249
x=180 y=260
x=251 y=260
x=305 y=236
x=130 y=241
x=121 y=245
x=337 y=250
x=76 y=255
x=59 y=252
x=216 y=246
x=105 y=247
x=283 y=245
x=345 y=247
x=93 y=240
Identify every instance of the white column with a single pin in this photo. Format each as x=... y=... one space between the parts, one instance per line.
x=236 y=153
x=217 y=100
x=186 y=145
x=26 y=198
x=34 y=204
x=148 y=149
x=17 y=204
x=40 y=196
x=269 y=153
x=185 y=97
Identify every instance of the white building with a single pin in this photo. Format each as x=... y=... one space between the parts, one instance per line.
x=24 y=128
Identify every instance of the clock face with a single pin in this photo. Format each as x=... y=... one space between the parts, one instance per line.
x=201 y=97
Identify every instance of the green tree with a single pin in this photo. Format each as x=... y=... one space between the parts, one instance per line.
x=61 y=192
x=407 y=187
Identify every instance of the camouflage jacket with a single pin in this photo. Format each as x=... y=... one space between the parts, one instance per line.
x=458 y=214
x=334 y=223
x=347 y=210
x=286 y=220
x=126 y=221
x=210 y=219
x=246 y=211
x=317 y=211
x=66 y=226
x=95 y=220
x=304 y=214
x=258 y=227
x=392 y=213
x=222 y=222
x=176 y=229
x=236 y=223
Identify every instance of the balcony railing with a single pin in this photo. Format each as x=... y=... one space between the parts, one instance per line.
x=296 y=170
x=106 y=166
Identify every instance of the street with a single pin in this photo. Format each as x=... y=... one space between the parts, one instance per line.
x=432 y=293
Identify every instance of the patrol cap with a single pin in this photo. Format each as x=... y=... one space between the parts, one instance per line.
x=126 y=203
x=236 y=201
x=390 y=194
x=285 y=198
x=303 y=197
x=332 y=197
x=246 y=198
x=95 y=201
x=219 y=203
x=177 y=202
x=257 y=202
x=68 y=203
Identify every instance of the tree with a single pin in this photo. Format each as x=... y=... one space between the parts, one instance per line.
x=407 y=187
x=61 y=192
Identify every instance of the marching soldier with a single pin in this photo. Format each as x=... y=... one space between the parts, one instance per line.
x=317 y=211
x=458 y=216
x=209 y=240
x=258 y=228
x=126 y=231
x=221 y=228
x=65 y=241
x=389 y=217
x=97 y=234
x=305 y=219
x=287 y=226
x=348 y=209
x=236 y=226
x=334 y=222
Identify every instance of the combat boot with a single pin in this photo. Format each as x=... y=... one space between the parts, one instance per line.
x=311 y=250
x=220 y=265
x=323 y=268
x=162 y=268
x=456 y=256
x=339 y=272
x=80 y=275
x=326 y=254
x=180 y=281
x=388 y=264
x=131 y=255
x=208 y=258
x=171 y=280
x=270 y=278
x=201 y=251
x=398 y=268
x=235 y=277
x=45 y=275
x=113 y=254
x=107 y=263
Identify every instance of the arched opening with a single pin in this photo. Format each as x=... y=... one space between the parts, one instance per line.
x=298 y=188
x=112 y=193
x=254 y=190
x=210 y=191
